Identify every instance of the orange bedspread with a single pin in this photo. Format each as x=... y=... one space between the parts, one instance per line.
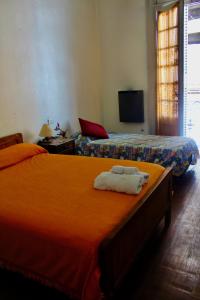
x=52 y=220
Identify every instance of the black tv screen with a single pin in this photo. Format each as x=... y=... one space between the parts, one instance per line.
x=131 y=106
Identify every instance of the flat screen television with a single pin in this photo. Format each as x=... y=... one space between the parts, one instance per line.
x=131 y=106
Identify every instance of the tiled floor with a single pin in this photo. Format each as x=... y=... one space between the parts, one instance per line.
x=169 y=268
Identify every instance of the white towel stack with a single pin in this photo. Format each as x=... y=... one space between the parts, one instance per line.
x=130 y=171
x=124 y=170
x=123 y=183
x=127 y=180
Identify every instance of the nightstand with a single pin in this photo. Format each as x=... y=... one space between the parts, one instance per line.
x=59 y=145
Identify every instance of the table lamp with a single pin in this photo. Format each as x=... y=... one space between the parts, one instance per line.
x=46 y=132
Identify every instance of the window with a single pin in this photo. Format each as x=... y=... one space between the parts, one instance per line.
x=168 y=72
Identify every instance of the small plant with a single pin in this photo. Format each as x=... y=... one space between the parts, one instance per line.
x=61 y=132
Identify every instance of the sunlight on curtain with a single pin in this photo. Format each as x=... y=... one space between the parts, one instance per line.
x=167 y=72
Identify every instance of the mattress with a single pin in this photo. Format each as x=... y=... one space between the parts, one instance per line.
x=52 y=220
x=168 y=151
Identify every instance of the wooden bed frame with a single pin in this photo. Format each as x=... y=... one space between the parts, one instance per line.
x=11 y=140
x=121 y=247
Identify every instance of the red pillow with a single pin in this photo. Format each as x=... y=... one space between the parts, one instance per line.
x=93 y=129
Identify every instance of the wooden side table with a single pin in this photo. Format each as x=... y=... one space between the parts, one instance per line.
x=59 y=145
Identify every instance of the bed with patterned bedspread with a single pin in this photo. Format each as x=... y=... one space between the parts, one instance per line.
x=175 y=151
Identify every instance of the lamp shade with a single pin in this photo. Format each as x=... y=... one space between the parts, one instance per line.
x=46 y=131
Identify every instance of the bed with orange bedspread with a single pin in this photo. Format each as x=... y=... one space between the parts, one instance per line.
x=56 y=228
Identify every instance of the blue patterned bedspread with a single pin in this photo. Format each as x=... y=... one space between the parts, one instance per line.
x=178 y=152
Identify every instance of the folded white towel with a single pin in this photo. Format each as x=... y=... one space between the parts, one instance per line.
x=129 y=184
x=124 y=170
x=130 y=170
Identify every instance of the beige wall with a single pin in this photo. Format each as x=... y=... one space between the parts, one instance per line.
x=61 y=59
x=124 y=27
x=49 y=64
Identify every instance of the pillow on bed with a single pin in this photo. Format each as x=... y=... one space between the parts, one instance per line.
x=93 y=129
x=17 y=153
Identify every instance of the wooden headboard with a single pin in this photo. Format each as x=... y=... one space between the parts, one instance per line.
x=11 y=140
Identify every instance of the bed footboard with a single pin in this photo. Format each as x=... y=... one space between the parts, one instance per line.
x=119 y=250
